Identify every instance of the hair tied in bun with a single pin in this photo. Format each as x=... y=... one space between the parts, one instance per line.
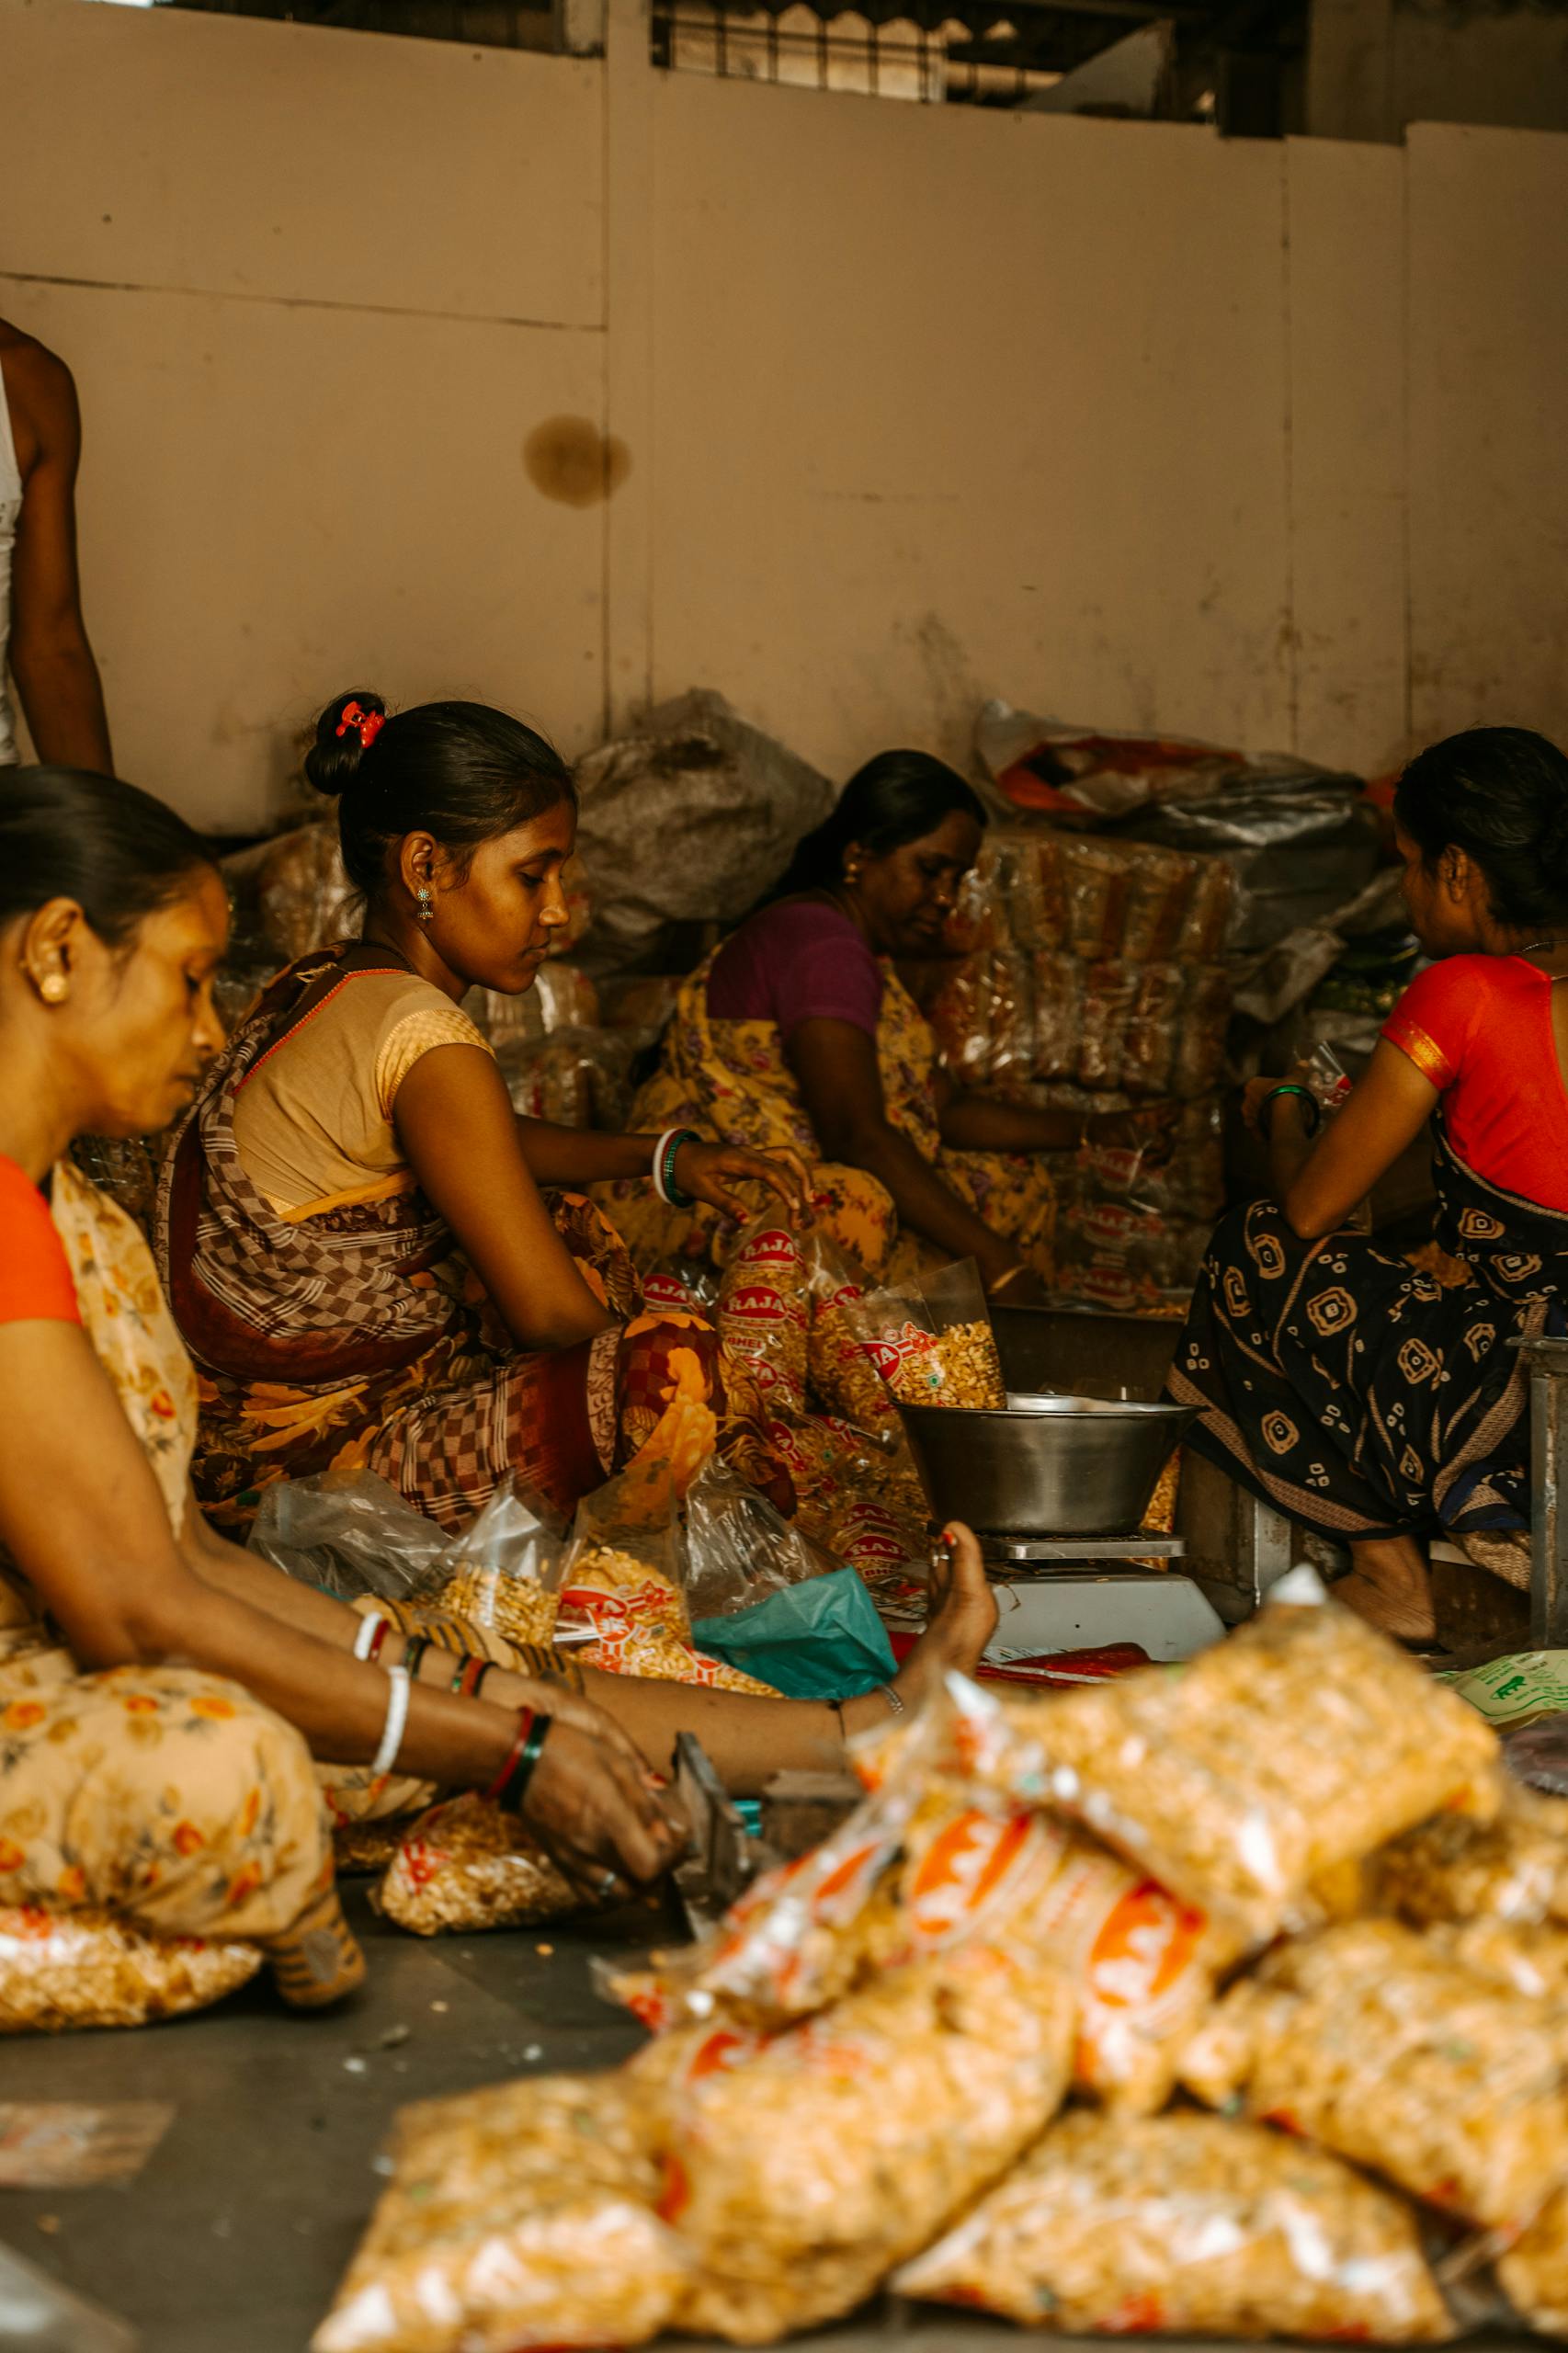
x=368 y=725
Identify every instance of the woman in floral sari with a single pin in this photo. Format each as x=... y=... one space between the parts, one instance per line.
x=162 y=1694
x=798 y=1035
x=1343 y=1386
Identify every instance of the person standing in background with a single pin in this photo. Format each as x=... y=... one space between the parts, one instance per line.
x=42 y=633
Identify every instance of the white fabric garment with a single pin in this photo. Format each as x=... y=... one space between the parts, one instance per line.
x=10 y=511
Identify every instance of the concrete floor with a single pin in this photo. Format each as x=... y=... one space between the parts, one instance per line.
x=234 y=2234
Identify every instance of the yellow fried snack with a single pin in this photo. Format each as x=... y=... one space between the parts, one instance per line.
x=513 y=1606
x=1530 y=1955
x=60 y=1970
x=959 y=1367
x=801 y=2175
x=1454 y=1867
x=1186 y=2225
x=640 y=1624
x=1303 y=1742
x=1372 y=2042
x=465 y=1865
x=516 y=2217
x=1533 y=2274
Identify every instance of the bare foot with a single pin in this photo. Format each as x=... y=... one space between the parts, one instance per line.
x=1390 y=1588
x=961 y=1617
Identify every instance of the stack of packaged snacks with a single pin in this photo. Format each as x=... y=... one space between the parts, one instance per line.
x=465 y=1866
x=762 y=1314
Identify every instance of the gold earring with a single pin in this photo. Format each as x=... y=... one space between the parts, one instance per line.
x=52 y=988
x=852 y=875
x=423 y=908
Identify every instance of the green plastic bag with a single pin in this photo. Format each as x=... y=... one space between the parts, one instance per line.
x=822 y=1639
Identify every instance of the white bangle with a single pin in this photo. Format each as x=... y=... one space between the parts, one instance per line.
x=396 y=1722
x=367 y=1633
x=659 y=1150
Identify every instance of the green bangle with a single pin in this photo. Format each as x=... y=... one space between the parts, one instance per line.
x=671 y=1191
x=515 y=1788
x=413 y=1651
x=1289 y=1086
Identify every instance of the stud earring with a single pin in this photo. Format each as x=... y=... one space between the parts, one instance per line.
x=852 y=875
x=53 y=988
x=424 y=906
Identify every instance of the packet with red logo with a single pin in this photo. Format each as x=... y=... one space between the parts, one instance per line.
x=621 y=1589
x=800 y=2176
x=679 y=1286
x=762 y=1312
x=842 y=1375
x=931 y=1340
x=1190 y=2226
x=464 y=1866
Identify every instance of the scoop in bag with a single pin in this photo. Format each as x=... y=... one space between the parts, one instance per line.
x=931 y=1340
x=1186 y=2225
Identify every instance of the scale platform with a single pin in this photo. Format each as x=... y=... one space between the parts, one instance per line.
x=1056 y=1592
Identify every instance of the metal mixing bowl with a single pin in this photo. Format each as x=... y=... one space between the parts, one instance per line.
x=1049 y=1468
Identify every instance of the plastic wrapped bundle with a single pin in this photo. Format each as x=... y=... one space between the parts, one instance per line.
x=1533 y=2272
x=289 y=894
x=1299 y=1745
x=931 y=1339
x=502 y=1572
x=762 y=1315
x=1367 y=2039
x=63 y=1970
x=1454 y=1867
x=466 y=1866
x=983 y=1018
x=560 y=998
x=1062 y=1020
x=516 y=2217
x=801 y=2175
x=1186 y=2225
x=839 y=1373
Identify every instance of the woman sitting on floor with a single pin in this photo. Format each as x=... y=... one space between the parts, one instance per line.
x=351 y=1226
x=162 y=1693
x=798 y=1035
x=1345 y=1388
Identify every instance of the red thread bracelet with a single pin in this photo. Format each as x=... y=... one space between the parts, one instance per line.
x=514 y=1755
x=377 y=1639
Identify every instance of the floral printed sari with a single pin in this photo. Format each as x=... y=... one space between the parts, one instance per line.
x=730 y=1079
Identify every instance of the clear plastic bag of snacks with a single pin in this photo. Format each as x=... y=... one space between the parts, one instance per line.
x=800 y=2176
x=679 y=1286
x=502 y=1572
x=1370 y=2041
x=738 y=1550
x=62 y=1969
x=1454 y=1867
x=465 y=1865
x=516 y=2217
x=1299 y=1745
x=762 y=1312
x=622 y=1579
x=840 y=1373
x=351 y=1535
x=1189 y=2227
x=931 y=1340
x=1533 y=2272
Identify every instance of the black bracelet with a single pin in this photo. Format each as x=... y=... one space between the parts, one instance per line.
x=515 y=1788
x=413 y=1650
x=671 y=1191
x=1289 y=1086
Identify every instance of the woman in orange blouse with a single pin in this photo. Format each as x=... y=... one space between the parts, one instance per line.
x=1345 y=1387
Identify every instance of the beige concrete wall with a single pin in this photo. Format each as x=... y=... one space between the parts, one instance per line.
x=952 y=403
x=317 y=291
x=907 y=407
x=1488 y=363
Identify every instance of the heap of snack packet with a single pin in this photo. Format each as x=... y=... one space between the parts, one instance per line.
x=1224 y=2001
x=1091 y=979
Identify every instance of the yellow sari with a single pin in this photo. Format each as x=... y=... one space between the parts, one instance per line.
x=730 y=1079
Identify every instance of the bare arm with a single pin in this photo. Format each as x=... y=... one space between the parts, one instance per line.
x=1318 y=1183
x=580 y=1156
x=50 y=656
x=465 y=1144
x=835 y=1063
x=83 y=1516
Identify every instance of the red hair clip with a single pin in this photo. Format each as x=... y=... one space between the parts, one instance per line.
x=369 y=723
